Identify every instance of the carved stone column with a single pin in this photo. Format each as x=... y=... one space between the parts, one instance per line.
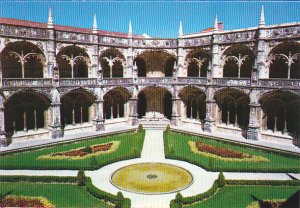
x=99 y=121
x=55 y=127
x=254 y=127
x=263 y=72
x=175 y=115
x=95 y=57
x=180 y=59
x=210 y=121
x=4 y=139
x=134 y=115
x=51 y=52
x=216 y=71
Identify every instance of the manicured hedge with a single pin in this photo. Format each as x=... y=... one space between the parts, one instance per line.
x=218 y=184
x=93 y=190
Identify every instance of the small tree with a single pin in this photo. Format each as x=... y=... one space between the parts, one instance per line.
x=120 y=199
x=87 y=149
x=140 y=128
x=168 y=128
x=221 y=180
x=93 y=161
x=178 y=199
x=81 y=178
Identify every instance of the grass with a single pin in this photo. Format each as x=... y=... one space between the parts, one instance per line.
x=176 y=147
x=130 y=147
x=61 y=195
x=242 y=196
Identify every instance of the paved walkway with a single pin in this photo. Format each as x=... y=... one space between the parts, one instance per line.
x=239 y=138
x=153 y=151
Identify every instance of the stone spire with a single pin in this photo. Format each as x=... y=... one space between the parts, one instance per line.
x=216 y=24
x=130 y=29
x=50 y=19
x=95 y=27
x=180 y=31
x=262 y=17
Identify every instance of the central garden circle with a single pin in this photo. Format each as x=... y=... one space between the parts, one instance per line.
x=151 y=178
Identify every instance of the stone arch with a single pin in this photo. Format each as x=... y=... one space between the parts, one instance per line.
x=26 y=110
x=281 y=112
x=155 y=63
x=284 y=61
x=75 y=106
x=193 y=99
x=116 y=103
x=233 y=107
x=112 y=62
x=73 y=62
x=22 y=59
x=197 y=62
x=154 y=99
x=237 y=61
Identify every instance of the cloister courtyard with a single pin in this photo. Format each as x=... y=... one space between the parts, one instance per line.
x=94 y=118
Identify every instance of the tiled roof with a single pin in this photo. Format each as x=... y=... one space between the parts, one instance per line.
x=25 y=23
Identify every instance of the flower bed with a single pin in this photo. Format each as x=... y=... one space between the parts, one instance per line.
x=277 y=203
x=223 y=153
x=82 y=153
x=25 y=201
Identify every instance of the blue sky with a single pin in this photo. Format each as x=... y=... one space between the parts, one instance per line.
x=158 y=19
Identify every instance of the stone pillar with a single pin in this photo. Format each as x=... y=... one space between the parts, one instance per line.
x=210 y=121
x=180 y=59
x=216 y=71
x=55 y=127
x=254 y=127
x=51 y=52
x=5 y=139
x=175 y=115
x=98 y=120
x=134 y=115
x=25 y=121
x=35 y=121
x=263 y=72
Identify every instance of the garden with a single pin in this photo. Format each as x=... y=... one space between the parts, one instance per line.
x=87 y=155
x=216 y=155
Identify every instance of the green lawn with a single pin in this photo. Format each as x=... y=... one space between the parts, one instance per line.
x=61 y=195
x=176 y=146
x=242 y=196
x=130 y=147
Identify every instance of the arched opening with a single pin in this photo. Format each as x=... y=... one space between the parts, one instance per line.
x=73 y=62
x=22 y=60
x=112 y=63
x=154 y=100
x=26 y=110
x=281 y=112
x=141 y=67
x=194 y=103
x=198 y=62
x=155 y=63
x=75 y=107
x=238 y=61
x=284 y=61
x=116 y=103
x=233 y=107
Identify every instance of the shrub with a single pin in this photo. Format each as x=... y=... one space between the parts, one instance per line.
x=178 y=198
x=81 y=178
x=87 y=149
x=221 y=180
x=120 y=199
x=135 y=151
x=140 y=128
x=168 y=128
x=172 y=150
x=210 y=163
x=174 y=204
x=93 y=162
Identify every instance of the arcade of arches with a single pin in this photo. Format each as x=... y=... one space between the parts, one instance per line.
x=279 y=110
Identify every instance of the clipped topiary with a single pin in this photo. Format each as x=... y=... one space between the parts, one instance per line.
x=168 y=128
x=93 y=161
x=140 y=128
x=87 y=149
x=221 y=180
x=178 y=200
x=81 y=178
x=120 y=199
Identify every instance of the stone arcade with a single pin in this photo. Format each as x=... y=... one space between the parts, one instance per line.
x=58 y=79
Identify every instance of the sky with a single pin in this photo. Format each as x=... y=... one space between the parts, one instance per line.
x=155 y=18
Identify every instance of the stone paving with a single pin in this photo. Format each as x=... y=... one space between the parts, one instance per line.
x=153 y=151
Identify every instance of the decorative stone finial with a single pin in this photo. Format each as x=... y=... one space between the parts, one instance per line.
x=50 y=19
x=262 y=17
x=95 y=27
x=130 y=29
x=180 y=31
x=216 y=23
